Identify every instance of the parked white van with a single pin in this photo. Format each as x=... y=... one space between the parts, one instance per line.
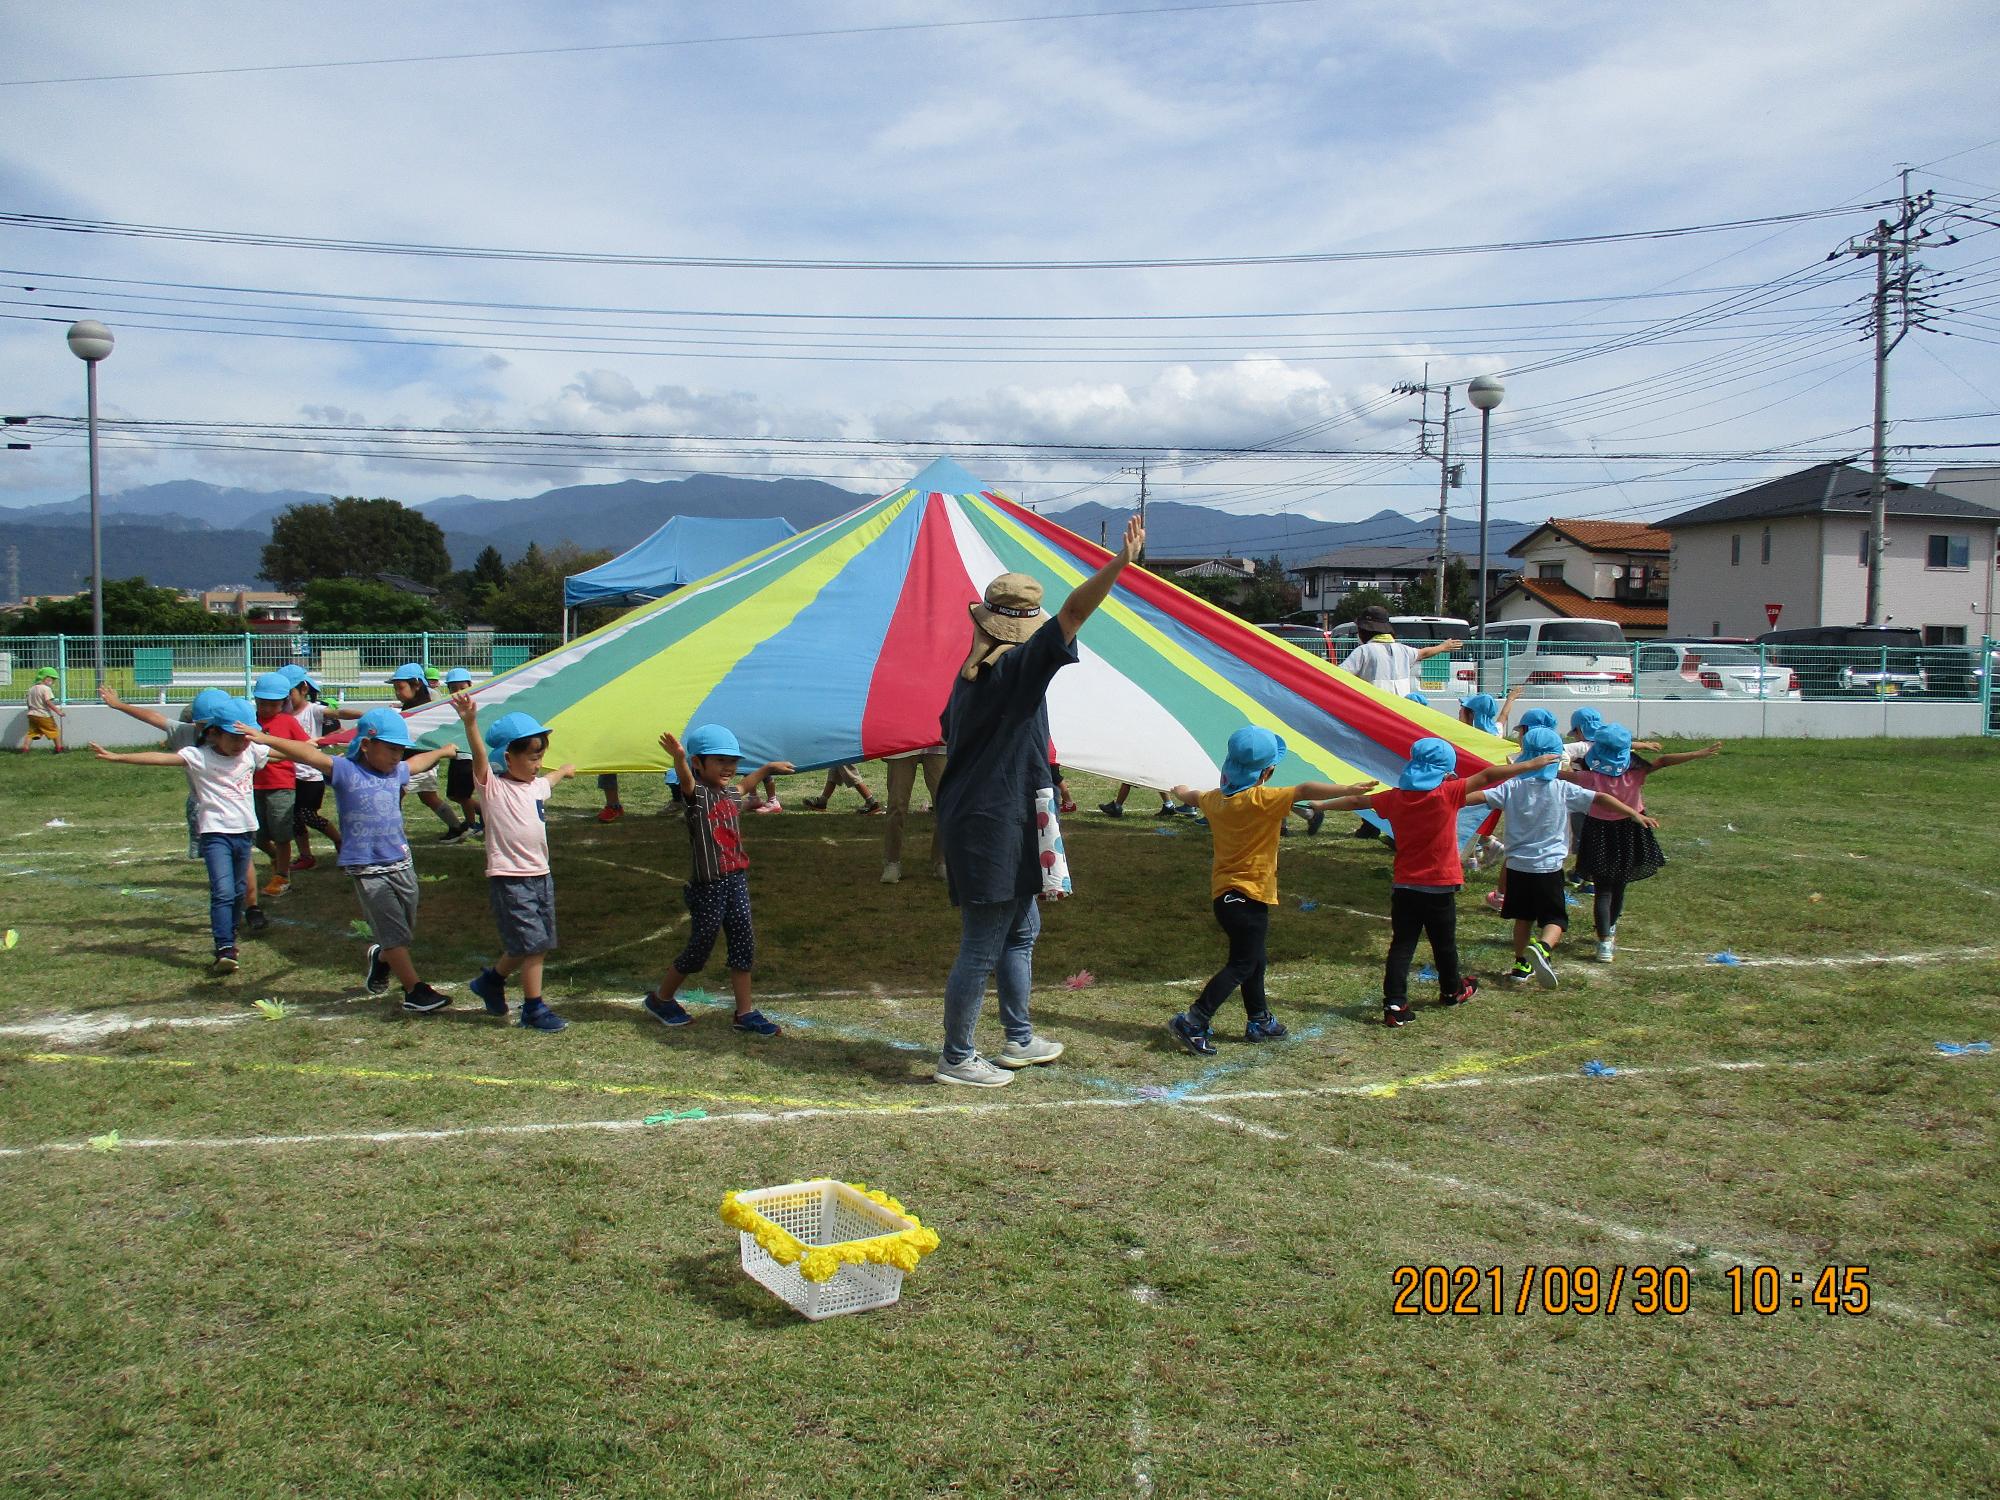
x=1441 y=674
x=1558 y=658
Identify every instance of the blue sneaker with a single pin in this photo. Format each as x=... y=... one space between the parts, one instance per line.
x=666 y=1012
x=538 y=1017
x=491 y=988
x=1192 y=1035
x=754 y=1022
x=1264 y=1028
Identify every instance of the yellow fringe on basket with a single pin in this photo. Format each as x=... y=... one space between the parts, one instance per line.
x=902 y=1249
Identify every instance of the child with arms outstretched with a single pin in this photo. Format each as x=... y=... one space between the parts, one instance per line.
x=718 y=888
x=1613 y=852
x=1244 y=819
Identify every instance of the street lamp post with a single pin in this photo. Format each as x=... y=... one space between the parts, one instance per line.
x=90 y=341
x=1485 y=393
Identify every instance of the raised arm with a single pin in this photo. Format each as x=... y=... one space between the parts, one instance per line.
x=763 y=773
x=1479 y=781
x=1185 y=795
x=150 y=716
x=298 y=750
x=468 y=715
x=136 y=757
x=1685 y=756
x=1507 y=704
x=424 y=760
x=1086 y=596
x=1605 y=802
x=672 y=745
x=1437 y=648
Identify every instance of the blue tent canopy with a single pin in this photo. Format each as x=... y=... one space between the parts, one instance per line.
x=683 y=550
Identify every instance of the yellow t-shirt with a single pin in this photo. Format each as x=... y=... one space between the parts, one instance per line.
x=1245 y=828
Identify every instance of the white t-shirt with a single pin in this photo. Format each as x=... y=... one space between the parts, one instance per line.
x=517 y=835
x=315 y=719
x=221 y=786
x=1387 y=664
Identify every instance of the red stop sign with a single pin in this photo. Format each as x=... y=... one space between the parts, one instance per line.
x=1771 y=613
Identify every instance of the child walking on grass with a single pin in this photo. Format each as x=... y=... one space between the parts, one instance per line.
x=459 y=787
x=368 y=782
x=1538 y=808
x=219 y=768
x=718 y=889
x=1614 y=850
x=276 y=783
x=1422 y=813
x=308 y=810
x=45 y=715
x=519 y=887
x=1244 y=820
x=180 y=733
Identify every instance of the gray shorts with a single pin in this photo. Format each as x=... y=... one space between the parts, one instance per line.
x=388 y=897
x=274 y=814
x=524 y=908
x=425 y=781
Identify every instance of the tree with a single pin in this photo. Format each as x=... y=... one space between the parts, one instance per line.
x=1271 y=595
x=1420 y=594
x=131 y=607
x=348 y=606
x=531 y=598
x=1356 y=600
x=470 y=591
x=354 y=538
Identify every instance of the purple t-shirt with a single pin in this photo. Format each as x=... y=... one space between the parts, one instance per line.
x=371 y=813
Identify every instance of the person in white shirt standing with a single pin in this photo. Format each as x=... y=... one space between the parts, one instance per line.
x=1386 y=661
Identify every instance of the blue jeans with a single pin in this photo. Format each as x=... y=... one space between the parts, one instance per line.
x=993 y=935
x=227 y=856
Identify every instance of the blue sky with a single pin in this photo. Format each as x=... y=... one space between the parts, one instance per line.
x=1272 y=130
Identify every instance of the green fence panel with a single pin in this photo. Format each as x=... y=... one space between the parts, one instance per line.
x=506 y=658
x=153 y=666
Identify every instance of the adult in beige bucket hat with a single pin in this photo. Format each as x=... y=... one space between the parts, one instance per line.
x=996 y=729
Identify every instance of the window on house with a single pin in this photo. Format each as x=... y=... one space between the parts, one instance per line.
x=1715 y=627
x=1944 y=635
x=1948 y=552
x=1861 y=552
x=1767 y=544
x=1736 y=549
x=1551 y=571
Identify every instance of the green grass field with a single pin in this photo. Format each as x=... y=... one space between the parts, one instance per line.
x=349 y=1252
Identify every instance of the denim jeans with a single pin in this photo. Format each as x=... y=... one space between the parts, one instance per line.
x=993 y=935
x=227 y=856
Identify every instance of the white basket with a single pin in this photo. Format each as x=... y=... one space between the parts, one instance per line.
x=822 y=1212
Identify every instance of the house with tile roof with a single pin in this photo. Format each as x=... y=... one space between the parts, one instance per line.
x=1590 y=570
x=1797 y=546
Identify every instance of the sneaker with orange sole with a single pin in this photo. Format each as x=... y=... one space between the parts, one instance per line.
x=276 y=887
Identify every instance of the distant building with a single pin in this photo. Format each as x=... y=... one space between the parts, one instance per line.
x=1327 y=579
x=408 y=585
x=260 y=604
x=1978 y=483
x=1591 y=570
x=1798 y=547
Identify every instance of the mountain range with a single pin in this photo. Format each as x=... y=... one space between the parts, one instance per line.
x=152 y=530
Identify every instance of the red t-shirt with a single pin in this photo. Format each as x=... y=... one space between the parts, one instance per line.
x=279 y=774
x=1426 y=828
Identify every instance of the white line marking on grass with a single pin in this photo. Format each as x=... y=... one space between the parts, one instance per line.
x=1832 y=961
x=72 y=1030
x=1688 y=1250
x=1139 y=1421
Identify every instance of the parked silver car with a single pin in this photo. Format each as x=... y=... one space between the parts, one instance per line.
x=1707 y=669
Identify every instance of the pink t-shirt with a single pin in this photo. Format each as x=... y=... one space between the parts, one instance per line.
x=517 y=835
x=1628 y=789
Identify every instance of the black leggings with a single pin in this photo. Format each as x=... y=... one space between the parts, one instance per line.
x=1247 y=922
x=1606 y=908
x=1414 y=914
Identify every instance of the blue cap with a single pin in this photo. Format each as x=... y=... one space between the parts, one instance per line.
x=1431 y=760
x=711 y=739
x=293 y=673
x=384 y=724
x=1416 y=695
x=409 y=671
x=508 y=728
x=1252 y=752
x=207 y=704
x=227 y=714
x=272 y=687
x=1485 y=711
x=1586 y=722
x=1610 y=750
x=1537 y=742
x=457 y=675
x=1538 y=718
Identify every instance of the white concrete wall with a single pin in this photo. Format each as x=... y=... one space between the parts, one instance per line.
x=1913 y=593
x=87 y=722
x=1708 y=596
x=1654 y=718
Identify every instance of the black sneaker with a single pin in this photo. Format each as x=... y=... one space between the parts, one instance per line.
x=1522 y=972
x=1314 y=817
x=1367 y=831
x=666 y=1012
x=1192 y=1035
x=1264 y=1028
x=1167 y=810
x=1397 y=1015
x=1466 y=990
x=225 y=961
x=377 y=979
x=422 y=999
x=455 y=835
x=255 y=920
x=1111 y=809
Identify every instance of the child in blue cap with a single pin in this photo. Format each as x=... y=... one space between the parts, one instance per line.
x=316 y=721
x=411 y=683
x=459 y=786
x=1614 y=850
x=1422 y=812
x=1245 y=818
x=1538 y=809
x=368 y=782
x=276 y=783
x=181 y=733
x=219 y=767
x=718 y=889
x=519 y=887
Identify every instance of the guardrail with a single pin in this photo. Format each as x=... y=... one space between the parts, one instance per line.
x=173 y=668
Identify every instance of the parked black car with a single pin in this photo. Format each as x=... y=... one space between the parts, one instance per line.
x=1853 y=661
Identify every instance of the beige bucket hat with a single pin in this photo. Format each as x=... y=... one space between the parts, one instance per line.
x=1010 y=613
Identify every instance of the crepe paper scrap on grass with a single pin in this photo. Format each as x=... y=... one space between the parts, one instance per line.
x=272 y=1010
x=1308 y=905
x=11 y=939
x=107 y=1142
x=1167 y=833
x=696 y=996
x=1082 y=979
x=1427 y=972
x=673 y=1116
x=1597 y=1069
x=1960 y=1049
x=1473 y=1065
x=58 y=823
x=1727 y=959
x=360 y=928
x=431 y=879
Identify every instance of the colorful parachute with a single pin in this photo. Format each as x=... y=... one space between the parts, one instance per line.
x=841 y=644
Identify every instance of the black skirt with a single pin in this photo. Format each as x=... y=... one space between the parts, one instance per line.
x=1617 y=851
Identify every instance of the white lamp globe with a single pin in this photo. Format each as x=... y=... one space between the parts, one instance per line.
x=1485 y=392
x=90 y=340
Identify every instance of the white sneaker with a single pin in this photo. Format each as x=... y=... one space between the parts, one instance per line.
x=975 y=1072
x=892 y=872
x=1538 y=960
x=1027 y=1054
x=1604 y=949
x=938 y=870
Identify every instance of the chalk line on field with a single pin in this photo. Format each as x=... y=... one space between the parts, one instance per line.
x=1689 y=1250
x=1138 y=1419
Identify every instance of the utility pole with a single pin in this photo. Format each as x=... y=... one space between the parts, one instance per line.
x=1888 y=242
x=1450 y=475
x=1141 y=472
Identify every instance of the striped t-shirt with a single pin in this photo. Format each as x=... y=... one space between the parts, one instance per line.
x=715 y=831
